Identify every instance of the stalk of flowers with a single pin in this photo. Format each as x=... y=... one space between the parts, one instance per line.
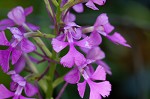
x=84 y=51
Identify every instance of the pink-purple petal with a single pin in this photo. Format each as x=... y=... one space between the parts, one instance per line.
x=33 y=27
x=58 y=45
x=3 y=39
x=118 y=39
x=27 y=46
x=16 y=54
x=99 y=74
x=6 y=23
x=4 y=59
x=19 y=66
x=17 y=15
x=95 y=54
x=28 y=10
x=105 y=66
x=95 y=39
x=86 y=43
x=99 y=2
x=73 y=57
x=81 y=88
x=4 y=92
x=73 y=76
x=78 y=8
x=102 y=88
x=91 y=5
x=30 y=90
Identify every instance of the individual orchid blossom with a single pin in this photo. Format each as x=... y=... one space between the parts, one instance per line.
x=17 y=47
x=103 y=27
x=97 y=89
x=17 y=16
x=96 y=55
x=73 y=56
x=17 y=86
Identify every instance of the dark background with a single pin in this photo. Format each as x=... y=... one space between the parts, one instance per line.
x=130 y=66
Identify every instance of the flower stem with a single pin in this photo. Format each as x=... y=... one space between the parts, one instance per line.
x=38 y=34
x=39 y=42
x=49 y=8
x=30 y=64
x=61 y=91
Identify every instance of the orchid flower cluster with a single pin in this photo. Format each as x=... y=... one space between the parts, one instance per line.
x=83 y=54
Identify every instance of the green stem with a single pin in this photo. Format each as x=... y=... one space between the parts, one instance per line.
x=55 y=3
x=38 y=34
x=39 y=42
x=51 y=76
x=30 y=64
x=49 y=7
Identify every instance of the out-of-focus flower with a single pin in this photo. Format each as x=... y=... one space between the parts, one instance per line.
x=17 y=47
x=17 y=16
x=17 y=86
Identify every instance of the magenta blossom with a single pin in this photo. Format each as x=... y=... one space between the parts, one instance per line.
x=103 y=27
x=72 y=33
x=17 y=86
x=17 y=16
x=17 y=47
x=97 y=89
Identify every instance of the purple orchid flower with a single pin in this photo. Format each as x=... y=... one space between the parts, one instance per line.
x=73 y=56
x=97 y=89
x=17 y=86
x=17 y=47
x=103 y=27
x=17 y=16
x=95 y=54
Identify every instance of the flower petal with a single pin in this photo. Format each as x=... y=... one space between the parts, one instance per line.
x=99 y=74
x=78 y=8
x=16 y=54
x=17 y=15
x=95 y=39
x=16 y=78
x=81 y=88
x=19 y=66
x=95 y=54
x=33 y=27
x=105 y=66
x=3 y=39
x=15 y=31
x=22 y=97
x=4 y=92
x=27 y=46
x=73 y=76
x=94 y=95
x=6 y=23
x=118 y=39
x=103 y=88
x=30 y=90
x=91 y=5
x=58 y=45
x=99 y=2
x=28 y=10
x=86 y=43
x=4 y=59
x=73 y=57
